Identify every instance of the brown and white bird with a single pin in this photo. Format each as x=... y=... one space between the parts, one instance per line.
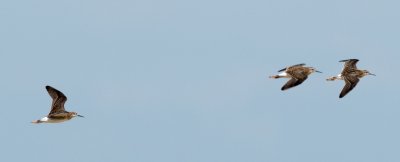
x=297 y=74
x=57 y=113
x=351 y=76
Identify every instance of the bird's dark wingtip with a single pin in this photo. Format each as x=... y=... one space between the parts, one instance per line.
x=282 y=70
x=48 y=87
x=348 y=60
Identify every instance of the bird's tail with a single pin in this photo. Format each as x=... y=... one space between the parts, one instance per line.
x=36 y=121
x=332 y=78
x=274 y=76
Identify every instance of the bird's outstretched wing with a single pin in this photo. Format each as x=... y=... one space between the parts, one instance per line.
x=349 y=64
x=294 y=81
x=351 y=82
x=302 y=64
x=59 y=99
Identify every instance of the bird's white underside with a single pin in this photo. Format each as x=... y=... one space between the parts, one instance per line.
x=48 y=120
x=284 y=75
x=339 y=77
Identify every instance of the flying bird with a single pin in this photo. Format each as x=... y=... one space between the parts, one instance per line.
x=57 y=113
x=351 y=76
x=297 y=74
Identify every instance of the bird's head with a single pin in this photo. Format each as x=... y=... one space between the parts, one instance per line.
x=74 y=114
x=314 y=70
x=366 y=72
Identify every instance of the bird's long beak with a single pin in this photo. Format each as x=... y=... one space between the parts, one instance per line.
x=318 y=71
x=371 y=74
x=80 y=116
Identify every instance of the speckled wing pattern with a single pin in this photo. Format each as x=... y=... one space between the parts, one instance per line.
x=349 y=65
x=298 y=76
x=349 y=76
x=351 y=82
x=59 y=99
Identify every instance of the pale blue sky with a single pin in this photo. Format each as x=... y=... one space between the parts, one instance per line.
x=187 y=81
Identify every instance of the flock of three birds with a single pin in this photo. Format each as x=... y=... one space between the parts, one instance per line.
x=297 y=74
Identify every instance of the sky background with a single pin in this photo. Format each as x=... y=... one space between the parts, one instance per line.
x=187 y=81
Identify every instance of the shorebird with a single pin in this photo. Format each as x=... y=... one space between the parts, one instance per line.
x=57 y=113
x=297 y=74
x=351 y=76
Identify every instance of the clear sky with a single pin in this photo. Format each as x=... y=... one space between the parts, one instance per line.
x=187 y=81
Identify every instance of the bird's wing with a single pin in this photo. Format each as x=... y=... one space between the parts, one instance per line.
x=59 y=100
x=349 y=64
x=298 y=76
x=293 y=82
x=351 y=82
x=302 y=64
x=58 y=115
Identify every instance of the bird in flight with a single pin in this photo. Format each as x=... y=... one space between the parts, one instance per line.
x=351 y=76
x=57 y=113
x=297 y=74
